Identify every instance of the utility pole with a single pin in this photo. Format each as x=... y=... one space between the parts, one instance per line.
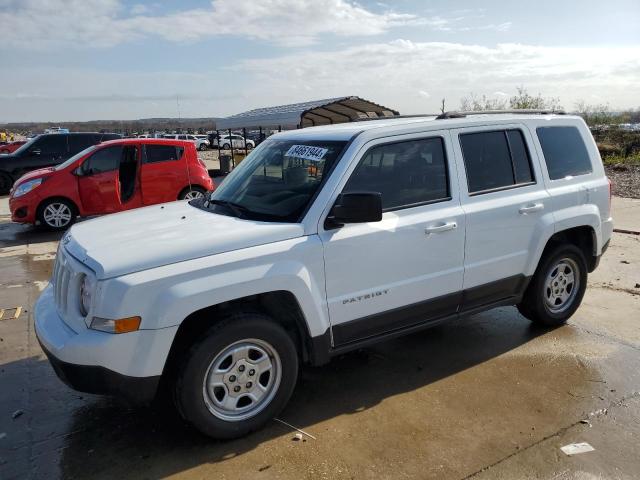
x=442 y=106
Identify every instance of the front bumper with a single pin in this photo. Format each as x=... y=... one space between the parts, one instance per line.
x=127 y=365
x=23 y=209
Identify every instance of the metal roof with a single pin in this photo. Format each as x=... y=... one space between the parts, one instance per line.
x=307 y=114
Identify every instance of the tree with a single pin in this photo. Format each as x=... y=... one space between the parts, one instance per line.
x=595 y=114
x=475 y=103
x=522 y=100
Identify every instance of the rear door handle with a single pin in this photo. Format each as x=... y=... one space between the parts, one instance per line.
x=441 y=227
x=532 y=207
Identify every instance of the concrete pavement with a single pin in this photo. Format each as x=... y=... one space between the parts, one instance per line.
x=487 y=397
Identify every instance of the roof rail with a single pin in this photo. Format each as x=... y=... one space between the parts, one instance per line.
x=369 y=119
x=523 y=111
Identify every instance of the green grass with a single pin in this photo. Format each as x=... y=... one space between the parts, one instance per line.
x=633 y=159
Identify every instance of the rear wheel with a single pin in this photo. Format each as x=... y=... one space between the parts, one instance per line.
x=6 y=182
x=238 y=377
x=57 y=214
x=203 y=147
x=557 y=288
x=226 y=146
x=192 y=192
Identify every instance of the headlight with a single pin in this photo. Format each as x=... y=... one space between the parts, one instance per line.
x=26 y=187
x=85 y=295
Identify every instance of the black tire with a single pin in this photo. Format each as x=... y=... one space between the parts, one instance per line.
x=226 y=146
x=184 y=194
x=535 y=304
x=6 y=182
x=71 y=212
x=190 y=394
x=203 y=147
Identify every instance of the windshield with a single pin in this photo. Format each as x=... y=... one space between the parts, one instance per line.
x=75 y=157
x=25 y=146
x=276 y=181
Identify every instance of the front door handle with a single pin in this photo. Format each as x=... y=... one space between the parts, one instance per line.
x=440 y=227
x=532 y=207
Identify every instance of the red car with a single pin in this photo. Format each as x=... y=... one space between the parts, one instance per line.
x=110 y=177
x=11 y=146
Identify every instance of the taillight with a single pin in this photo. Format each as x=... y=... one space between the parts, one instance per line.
x=610 y=194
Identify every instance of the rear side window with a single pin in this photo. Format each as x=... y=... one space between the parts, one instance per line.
x=77 y=143
x=405 y=173
x=495 y=160
x=104 y=160
x=564 y=152
x=162 y=153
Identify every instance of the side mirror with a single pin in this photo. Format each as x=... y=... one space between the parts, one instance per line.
x=356 y=207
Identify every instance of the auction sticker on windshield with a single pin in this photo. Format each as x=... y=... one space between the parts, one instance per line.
x=307 y=152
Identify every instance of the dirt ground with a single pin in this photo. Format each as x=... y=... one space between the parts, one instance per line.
x=486 y=397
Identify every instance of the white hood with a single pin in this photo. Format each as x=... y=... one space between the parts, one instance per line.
x=159 y=235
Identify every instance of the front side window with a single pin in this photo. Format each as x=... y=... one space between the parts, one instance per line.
x=104 y=160
x=54 y=144
x=276 y=182
x=564 y=152
x=162 y=153
x=405 y=174
x=495 y=160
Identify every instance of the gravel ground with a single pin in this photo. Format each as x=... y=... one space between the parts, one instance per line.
x=625 y=179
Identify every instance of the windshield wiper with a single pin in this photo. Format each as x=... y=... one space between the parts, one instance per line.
x=236 y=208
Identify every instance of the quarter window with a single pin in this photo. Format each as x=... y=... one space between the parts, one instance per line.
x=406 y=173
x=495 y=160
x=162 y=153
x=564 y=152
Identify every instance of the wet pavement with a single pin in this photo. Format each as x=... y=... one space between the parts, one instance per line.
x=489 y=396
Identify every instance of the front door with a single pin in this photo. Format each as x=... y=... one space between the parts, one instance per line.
x=406 y=269
x=46 y=151
x=504 y=201
x=99 y=185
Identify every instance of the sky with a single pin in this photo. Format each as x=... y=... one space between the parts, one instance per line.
x=73 y=60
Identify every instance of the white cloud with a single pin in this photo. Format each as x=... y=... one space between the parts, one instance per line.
x=48 y=24
x=387 y=71
x=424 y=94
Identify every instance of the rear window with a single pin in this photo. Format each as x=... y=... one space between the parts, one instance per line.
x=564 y=152
x=77 y=143
x=162 y=153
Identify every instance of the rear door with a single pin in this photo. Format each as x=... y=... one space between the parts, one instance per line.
x=504 y=199
x=408 y=268
x=164 y=173
x=99 y=185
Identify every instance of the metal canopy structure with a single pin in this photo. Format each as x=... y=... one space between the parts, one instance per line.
x=307 y=114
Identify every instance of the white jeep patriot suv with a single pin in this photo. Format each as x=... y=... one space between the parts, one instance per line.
x=324 y=240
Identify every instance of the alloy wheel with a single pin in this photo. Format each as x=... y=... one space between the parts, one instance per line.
x=57 y=215
x=242 y=380
x=561 y=285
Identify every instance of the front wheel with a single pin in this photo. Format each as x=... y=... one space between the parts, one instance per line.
x=57 y=214
x=238 y=377
x=203 y=147
x=557 y=288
